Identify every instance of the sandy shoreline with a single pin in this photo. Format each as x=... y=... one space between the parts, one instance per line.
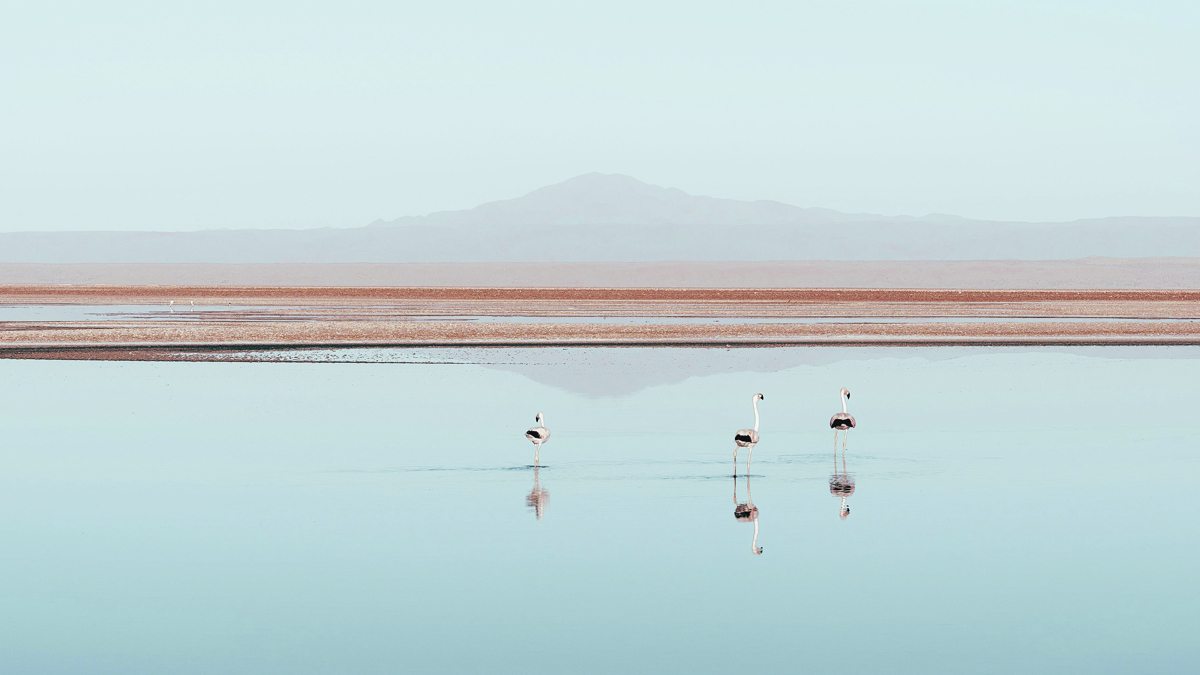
x=229 y=319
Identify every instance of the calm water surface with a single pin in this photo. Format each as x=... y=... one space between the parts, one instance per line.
x=1013 y=511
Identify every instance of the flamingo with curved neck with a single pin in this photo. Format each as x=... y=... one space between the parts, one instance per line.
x=747 y=438
x=842 y=422
x=538 y=435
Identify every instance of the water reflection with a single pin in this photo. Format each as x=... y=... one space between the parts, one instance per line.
x=841 y=484
x=537 y=497
x=87 y=484
x=746 y=512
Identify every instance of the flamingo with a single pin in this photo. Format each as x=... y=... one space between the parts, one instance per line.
x=538 y=435
x=747 y=438
x=843 y=421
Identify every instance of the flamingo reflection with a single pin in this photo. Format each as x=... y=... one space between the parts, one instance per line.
x=841 y=484
x=537 y=497
x=747 y=512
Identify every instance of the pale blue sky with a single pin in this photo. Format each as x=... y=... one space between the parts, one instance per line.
x=153 y=115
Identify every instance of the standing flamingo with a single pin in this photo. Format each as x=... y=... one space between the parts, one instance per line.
x=747 y=438
x=538 y=435
x=842 y=422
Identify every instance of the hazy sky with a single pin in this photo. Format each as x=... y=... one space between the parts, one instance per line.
x=156 y=115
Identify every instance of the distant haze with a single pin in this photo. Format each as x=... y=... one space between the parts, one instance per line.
x=134 y=115
x=1093 y=273
x=611 y=217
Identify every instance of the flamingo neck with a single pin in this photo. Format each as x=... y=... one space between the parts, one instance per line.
x=843 y=403
x=756 y=414
x=754 y=542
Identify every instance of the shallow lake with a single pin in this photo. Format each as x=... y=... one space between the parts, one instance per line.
x=1013 y=510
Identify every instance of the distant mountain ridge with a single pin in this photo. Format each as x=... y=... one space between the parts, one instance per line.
x=616 y=199
x=616 y=218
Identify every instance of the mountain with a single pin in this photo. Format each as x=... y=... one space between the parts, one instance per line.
x=607 y=217
x=597 y=199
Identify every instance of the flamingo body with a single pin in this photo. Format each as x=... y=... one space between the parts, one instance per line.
x=842 y=421
x=538 y=435
x=745 y=438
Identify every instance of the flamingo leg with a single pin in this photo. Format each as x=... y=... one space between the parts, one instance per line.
x=749 y=458
x=835 y=444
x=735 y=449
